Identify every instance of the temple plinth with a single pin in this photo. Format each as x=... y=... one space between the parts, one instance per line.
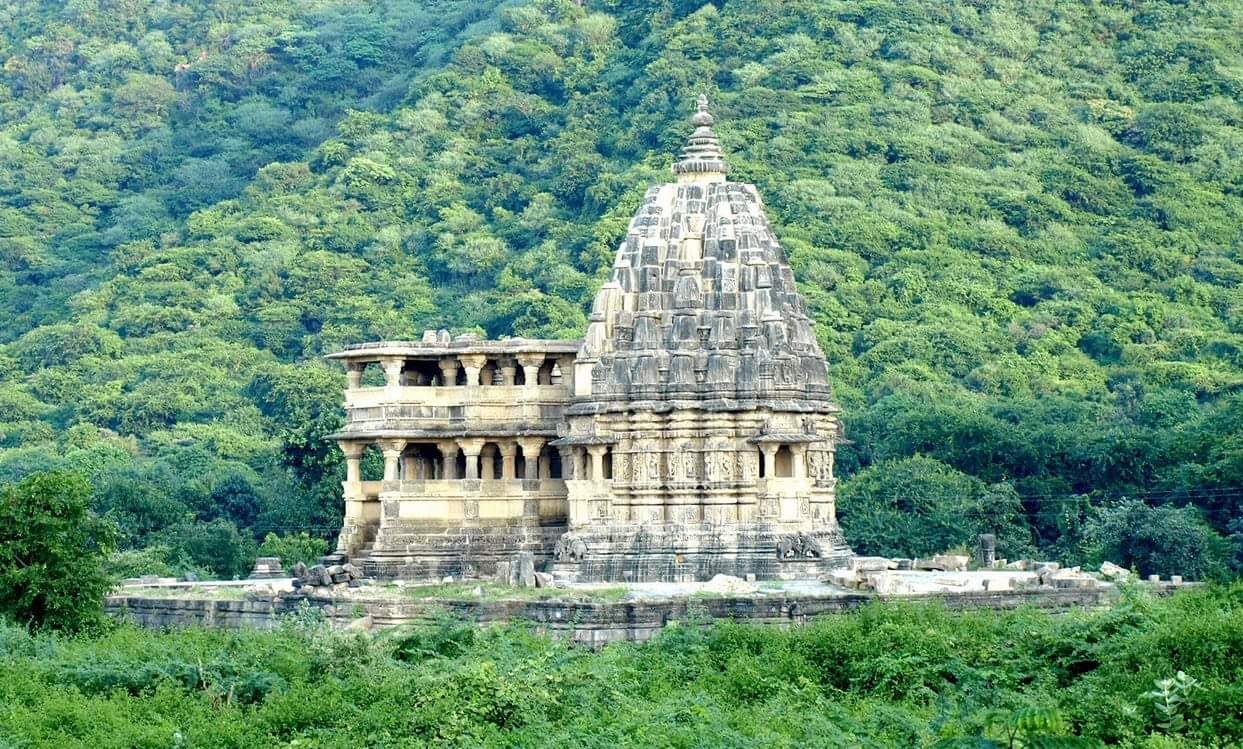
x=690 y=433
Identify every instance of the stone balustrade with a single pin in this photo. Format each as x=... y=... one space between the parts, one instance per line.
x=500 y=409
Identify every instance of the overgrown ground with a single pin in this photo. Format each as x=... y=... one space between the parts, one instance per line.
x=889 y=675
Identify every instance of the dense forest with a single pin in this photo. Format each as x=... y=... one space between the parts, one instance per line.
x=1017 y=225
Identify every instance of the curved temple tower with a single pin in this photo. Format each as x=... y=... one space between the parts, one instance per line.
x=695 y=429
x=702 y=389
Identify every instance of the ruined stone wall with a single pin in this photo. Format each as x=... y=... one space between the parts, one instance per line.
x=592 y=623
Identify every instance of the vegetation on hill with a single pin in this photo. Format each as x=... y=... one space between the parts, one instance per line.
x=891 y=675
x=1016 y=224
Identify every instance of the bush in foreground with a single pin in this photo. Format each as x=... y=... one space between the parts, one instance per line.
x=52 y=552
x=908 y=675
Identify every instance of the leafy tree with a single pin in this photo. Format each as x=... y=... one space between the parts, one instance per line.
x=215 y=545
x=920 y=506
x=52 y=552
x=1161 y=540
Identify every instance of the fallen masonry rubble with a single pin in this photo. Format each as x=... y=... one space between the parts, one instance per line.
x=321 y=578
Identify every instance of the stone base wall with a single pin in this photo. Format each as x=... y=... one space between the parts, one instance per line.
x=592 y=623
x=673 y=553
x=421 y=553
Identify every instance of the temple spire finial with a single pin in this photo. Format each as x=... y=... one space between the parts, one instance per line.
x=701 y=157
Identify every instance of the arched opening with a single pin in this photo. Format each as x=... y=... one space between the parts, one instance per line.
x=545 y=372
x=784 y=464
x=553 y=457
x=520 y=464
x=421 y=372
x=426 y=459
x=608 y=464
x=762 y=463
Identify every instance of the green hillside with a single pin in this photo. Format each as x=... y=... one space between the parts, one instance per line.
x=1017 y=225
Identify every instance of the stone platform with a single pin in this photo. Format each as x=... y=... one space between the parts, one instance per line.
x=592 y=615
x=422 y=553
x=677 y=553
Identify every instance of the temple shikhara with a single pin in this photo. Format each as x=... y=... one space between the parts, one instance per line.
x=691 y=432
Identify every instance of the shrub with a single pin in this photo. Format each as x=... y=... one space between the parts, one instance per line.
x=1155 y=540
x=52 y=552
x=300 y=547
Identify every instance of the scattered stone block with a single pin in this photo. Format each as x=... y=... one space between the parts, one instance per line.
x=1176 y=579
x=943 y=563
x=871 y=564
x=1154 y=578
x=904 y=564
x=526 y=569
x=503 y=574
x=1111 y=571
x=1073 y=582
x=543 y=580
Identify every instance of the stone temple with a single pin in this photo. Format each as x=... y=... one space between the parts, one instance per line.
x=690 y=433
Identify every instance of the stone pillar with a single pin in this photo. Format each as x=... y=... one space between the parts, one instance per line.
x=509 y=451
x=487 y=462
x=508 y=369
x=798 y=461
x=471 y=449
x=568 y=463
x=545 y=466
x=770 y=459
x=566 y=365
x=530 y=455
x=473 y=363
x=354 y=375
x=530 y=368
x=485 y=376
x=392 y=371
x=448 y=456
x=353 y=460
x=409 y=467
x=597 y=461
x=448 y=369
x=392 y=454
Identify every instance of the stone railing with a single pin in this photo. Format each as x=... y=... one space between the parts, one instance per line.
x=524 y=408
